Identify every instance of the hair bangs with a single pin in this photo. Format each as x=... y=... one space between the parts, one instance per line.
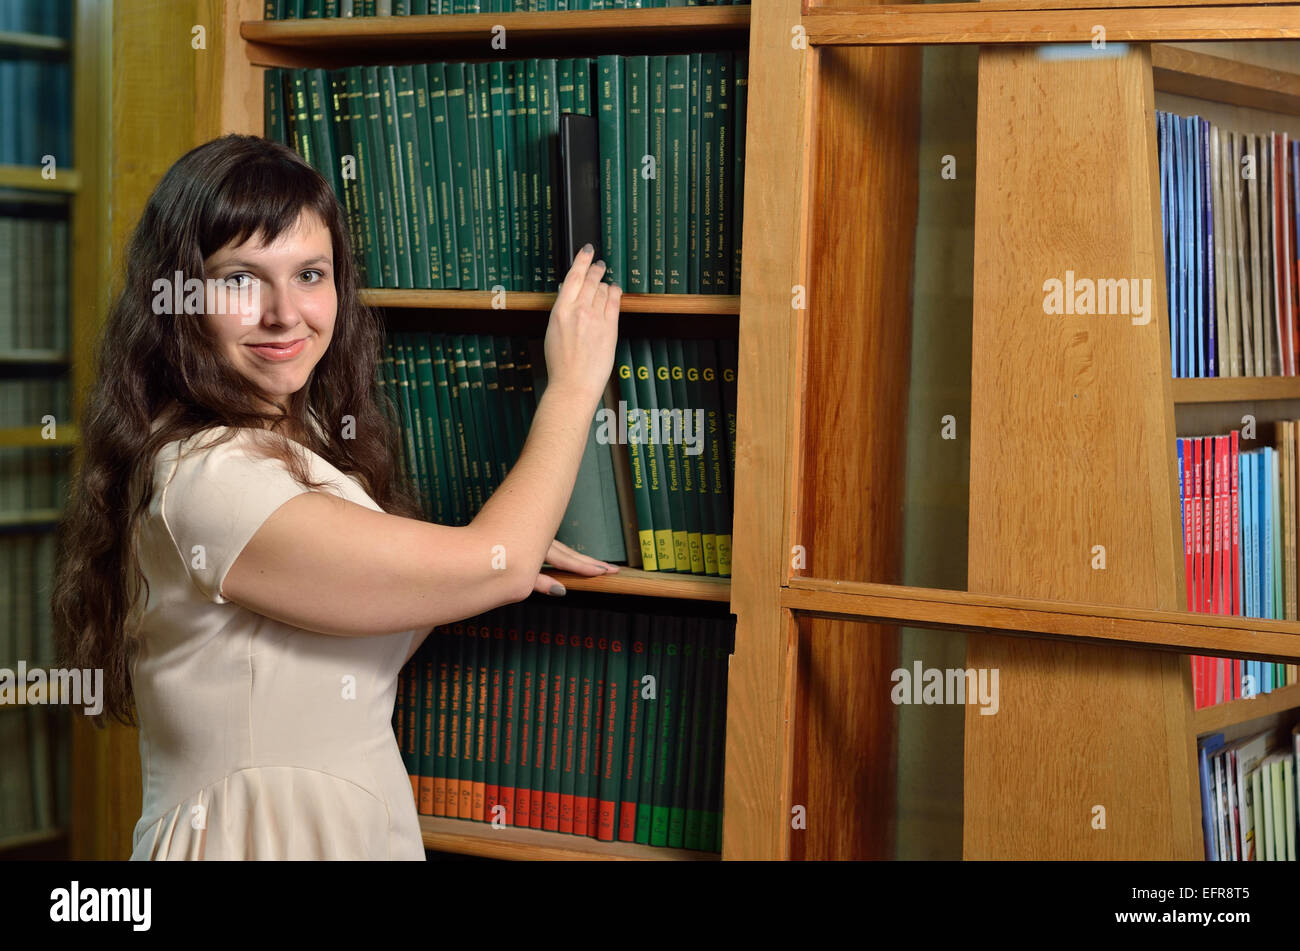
x=264 y=197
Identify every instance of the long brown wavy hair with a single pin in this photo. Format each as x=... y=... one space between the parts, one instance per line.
x=163 y=368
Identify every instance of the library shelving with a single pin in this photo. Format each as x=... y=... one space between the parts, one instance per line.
x=1096 y=694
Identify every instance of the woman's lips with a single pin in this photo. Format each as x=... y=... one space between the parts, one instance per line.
x=278 y=351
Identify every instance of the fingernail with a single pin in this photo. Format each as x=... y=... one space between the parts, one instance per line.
x=557 y=590
x=588 y=248
x=611 y=567
x=601 y=263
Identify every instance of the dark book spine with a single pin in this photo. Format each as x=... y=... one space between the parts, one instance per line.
x=724 y=165
x=643 y=373
x=676 y=148
x=511 y=685
x=695 y=170
x=632 y=755
x=484 y=175
x=570 y=812
x=444 y=176
x=586 y=741
x=381 y=191
x=462 y=172
x=689 y=446
x=740 y=88
x=670 y=417
x=613 y=160
x=682 y=789
x=714 y=424
x=492 y=810
x=549 y=121
x=660 y=181
x=427 y=667
x=527 y=699
x=468 y=721
x=428 y=181
x=500 y=173
x=541 y=716
x=456 y=702
x=637 y=119
x=442 y=648
x=699 y=456
x=616 y=706
x=623 y=368
x=402 y=231
x=706 y=207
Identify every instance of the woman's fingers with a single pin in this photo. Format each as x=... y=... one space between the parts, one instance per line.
x=545 y=584
x=566 y=559
x=591 y=284
x=577 y=276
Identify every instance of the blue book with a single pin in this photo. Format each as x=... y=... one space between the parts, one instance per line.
x=1246 y=486
x=1190 y=328
x=1182 y=491
x=1166 y=179
x=1176 y=238
x=1266 y=530
x=1209 y=827
x=1197 y=262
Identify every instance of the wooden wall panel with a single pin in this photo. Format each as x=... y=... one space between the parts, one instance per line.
x=1071 y=447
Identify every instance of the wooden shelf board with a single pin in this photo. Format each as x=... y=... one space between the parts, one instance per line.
x=29 y=178
x=1236 y=389
x=1202 y=76
x=32 y=46
x=463 y=837
x=1210 y=634
x=33 y=357
x=32 y=838
x=29 y=437
x=1222 y=715
x=335 y=41
x=33 y=517
x=655 y=584
x=705 y=304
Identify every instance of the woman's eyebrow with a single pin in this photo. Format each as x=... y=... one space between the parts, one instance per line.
x=240 y=262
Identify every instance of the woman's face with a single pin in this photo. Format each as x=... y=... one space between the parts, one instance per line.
x=281 y=330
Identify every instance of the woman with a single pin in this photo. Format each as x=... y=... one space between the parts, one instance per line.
x=238 y=554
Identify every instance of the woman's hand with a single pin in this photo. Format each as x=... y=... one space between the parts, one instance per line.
x=583 y=328
x=564 y=558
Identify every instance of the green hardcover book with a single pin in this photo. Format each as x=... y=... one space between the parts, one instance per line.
x=548 y=108
x=694 y=171
x=740 y=103
x=728 y=358
x=406 y=711
x=322 y=129
x=457 y=510
x=724 y=163
x=313 y=9
x=508 y=381
x=676 y=177
x=511 y=682
x=368 y=249
x=440 y=509
x=462 y=172
x=616 y=706
x=714 y=425
x=402 y=229
x=468 y=721
x=564 y=87
x=634 y=736
x=416 y=412
x=652 y=454
x=636 y=118
x=492 y=807
x=470 y=425
x=671 y=462
x=483 y=715
x=555 y=726
x=599 y=691
x=682 y=788
x=605 y=433
x=541 y=716
x=381 y=190
x=301 y=125
x=426 y=737
x=456 y=655
x=273 y=104
x=422 y=143
x=396 y=369
x=412 y=177
x=524 y=725
x=661 y=181
x=444 y=175
x=341 y=105
x=706 y=204
x=670 y=692
x=482 y=425
x=520 y=179
x=270 y=11
x=500 y=173
x=441 y=638
x=485 y=173
x=462 y=420
x=699 y=456
x=569 y=730
x=613 y=159
x=524 y=373
x=712 y=826
x=587 y=743
x=651 y=704
x=494 y=403
x=536 y=153
x=513 y=168
x=623 y=368
x=687 y=449
x=701 y=726
x=582 y=93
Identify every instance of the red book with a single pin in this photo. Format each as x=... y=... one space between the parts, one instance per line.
x=1234 y=459
x=600 y=645
x=1198 y=547
x=1220 y=521
x=1207 y=526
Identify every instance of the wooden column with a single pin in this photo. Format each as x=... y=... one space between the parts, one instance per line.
x=1071 y=448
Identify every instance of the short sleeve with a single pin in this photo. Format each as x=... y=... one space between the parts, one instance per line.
x=217 y=498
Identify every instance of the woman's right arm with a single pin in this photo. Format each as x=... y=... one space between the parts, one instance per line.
x=325 y=564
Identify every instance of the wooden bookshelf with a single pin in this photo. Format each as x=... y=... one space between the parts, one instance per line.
x=1218 y=79
x=1223 y=715
x=32 y=46
x=702 y=304
x=29 y=437
x=1243 y=389
x=463 y=837
x=33 y=357
x=655 y=584
x=30 y=519
x=66 y=180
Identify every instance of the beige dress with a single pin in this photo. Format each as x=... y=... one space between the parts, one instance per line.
x=258 y=740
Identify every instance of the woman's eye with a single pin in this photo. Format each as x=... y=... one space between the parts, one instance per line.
x=240 y=280
x=313 y=276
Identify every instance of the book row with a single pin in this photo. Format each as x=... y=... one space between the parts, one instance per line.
x=35 y=113
x=583 y=721
x=1248 y=798
x=449 y=172
x=26 y=577
x=1239 y=519
x=35 y=747
x=307 y=9
x=44 y=17
x=654 y=486
x=34 y=283
x=1232 y=248
x=33 y=478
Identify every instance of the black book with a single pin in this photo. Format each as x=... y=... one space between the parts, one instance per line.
x=579 y=189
